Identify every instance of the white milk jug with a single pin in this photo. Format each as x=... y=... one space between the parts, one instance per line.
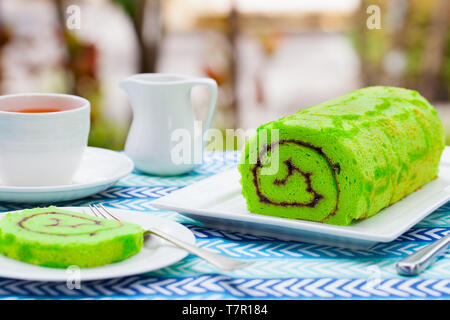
x=164 y=137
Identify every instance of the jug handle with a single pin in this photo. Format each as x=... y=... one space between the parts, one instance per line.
x=212 y=86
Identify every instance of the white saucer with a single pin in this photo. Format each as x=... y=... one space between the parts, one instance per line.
x=100 y=169
x=155 y=254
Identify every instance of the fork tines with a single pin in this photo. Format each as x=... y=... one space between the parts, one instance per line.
x=101 y=211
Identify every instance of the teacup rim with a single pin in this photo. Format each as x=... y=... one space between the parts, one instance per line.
x=85 y=105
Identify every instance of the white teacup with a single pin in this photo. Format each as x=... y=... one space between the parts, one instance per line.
x=42 y=138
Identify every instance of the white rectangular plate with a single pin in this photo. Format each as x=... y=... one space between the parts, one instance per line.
x=217 y=202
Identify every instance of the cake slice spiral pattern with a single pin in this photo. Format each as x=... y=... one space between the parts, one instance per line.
x=53 y=237
x=344 y=159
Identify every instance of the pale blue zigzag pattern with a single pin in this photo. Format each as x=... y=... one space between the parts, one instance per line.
x=282 y=250
x=439 y=218
x=444 y=208
x=267 y=288
x=146 y=180
x=152 y=192
x=203 y=296
x=127 y=204
x=214 y=162
x=131 y=198
x=413 y=234
x=307 y=268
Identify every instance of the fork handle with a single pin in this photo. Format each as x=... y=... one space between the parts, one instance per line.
x=219 y=261
x=420 y=260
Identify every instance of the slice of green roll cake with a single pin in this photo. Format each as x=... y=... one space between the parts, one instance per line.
x=58 y=238
x=344 y=159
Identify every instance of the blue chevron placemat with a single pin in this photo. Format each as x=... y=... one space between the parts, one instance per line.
x=282 y=270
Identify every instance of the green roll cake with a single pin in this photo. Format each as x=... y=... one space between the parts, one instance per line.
x=344 y=159
x=57 y=238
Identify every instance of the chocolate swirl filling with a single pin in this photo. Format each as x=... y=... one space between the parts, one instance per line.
x=291 y=169
x=58 y=222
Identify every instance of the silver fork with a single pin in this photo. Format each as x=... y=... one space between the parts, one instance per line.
x=219 y=261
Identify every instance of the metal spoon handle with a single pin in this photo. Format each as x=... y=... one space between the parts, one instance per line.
x=417 y=262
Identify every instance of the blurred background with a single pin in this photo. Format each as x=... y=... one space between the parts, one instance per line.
x=270 y=58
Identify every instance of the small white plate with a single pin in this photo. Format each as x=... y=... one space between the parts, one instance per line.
x=155 y=254
x=217 y=202
x=100 y=169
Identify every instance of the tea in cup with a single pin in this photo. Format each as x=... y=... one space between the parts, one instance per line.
x=42 y=138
